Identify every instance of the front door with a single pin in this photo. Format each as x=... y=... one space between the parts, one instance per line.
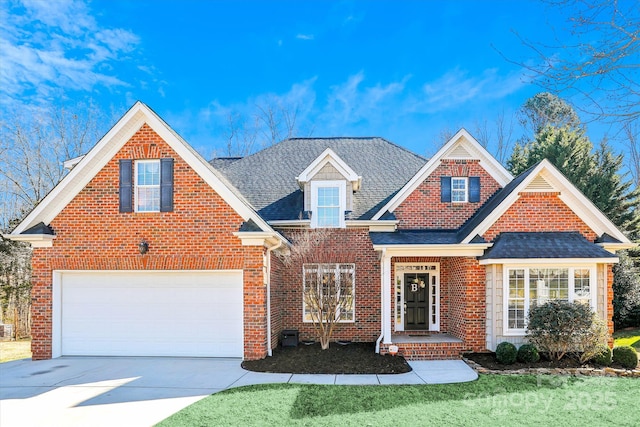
x=416 y=301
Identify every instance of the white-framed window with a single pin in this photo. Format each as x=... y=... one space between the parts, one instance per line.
x=147 y=185
x=528 y=286
x=459 y=189
x=328 y=204
x=327 y=282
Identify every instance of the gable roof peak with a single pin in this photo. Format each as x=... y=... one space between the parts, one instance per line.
x=460 y=145
x=328 y=156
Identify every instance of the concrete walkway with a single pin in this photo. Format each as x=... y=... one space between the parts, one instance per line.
x=140 y=391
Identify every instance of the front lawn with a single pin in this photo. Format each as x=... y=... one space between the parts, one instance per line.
x=628 y=337
x=491 y=400
x=14 y=350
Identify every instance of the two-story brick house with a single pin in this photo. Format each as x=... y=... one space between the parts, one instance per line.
x=146 y=249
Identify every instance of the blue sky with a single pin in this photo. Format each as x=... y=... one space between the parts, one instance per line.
x=408 y=71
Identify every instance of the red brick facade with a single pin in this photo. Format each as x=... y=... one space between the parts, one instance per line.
x=352 y=246
x=93 y=235
x=539 y=212
x=423 y=208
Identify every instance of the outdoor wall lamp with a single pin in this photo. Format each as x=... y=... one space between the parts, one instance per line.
x=143 y=247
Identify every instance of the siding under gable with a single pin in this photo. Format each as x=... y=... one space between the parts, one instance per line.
x=328 y=173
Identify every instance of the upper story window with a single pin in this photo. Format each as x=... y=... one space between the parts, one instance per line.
x=459 y=189
x=147 y=186
x=328 y=200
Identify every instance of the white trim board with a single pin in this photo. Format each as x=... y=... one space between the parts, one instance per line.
x=471 y=147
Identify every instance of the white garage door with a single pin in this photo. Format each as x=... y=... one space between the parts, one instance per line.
x=152 y=314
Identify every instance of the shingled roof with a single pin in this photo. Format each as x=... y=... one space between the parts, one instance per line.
x=267 y=179
x=532 y=245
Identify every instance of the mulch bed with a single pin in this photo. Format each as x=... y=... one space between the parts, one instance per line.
x=488 y=361
x=351 y=358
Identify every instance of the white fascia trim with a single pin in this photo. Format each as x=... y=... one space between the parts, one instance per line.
x=613 y=247
x=434 y=250
x=107 y=148
x=329 y=156
x=290 y=223
x=36 y=240
x=487 y=161
x=382 y=226
x=79 y=176
x=546 y=261
x=257 y=238
x=69 y=164
x=569 y=194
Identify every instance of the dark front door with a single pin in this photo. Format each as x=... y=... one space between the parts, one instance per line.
x=416 y=301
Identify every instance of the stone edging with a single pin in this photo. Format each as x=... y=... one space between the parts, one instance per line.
x=592 y=372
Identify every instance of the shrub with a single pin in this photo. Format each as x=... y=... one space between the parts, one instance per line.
x=506 y=353
x=528 y=353
x=626 y=356
x=603 y=356
x=559 y=328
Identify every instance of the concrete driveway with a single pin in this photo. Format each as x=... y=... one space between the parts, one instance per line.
x=142 y=391
x=104 y=391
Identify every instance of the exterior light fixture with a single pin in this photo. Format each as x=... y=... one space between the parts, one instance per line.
x=143 y=247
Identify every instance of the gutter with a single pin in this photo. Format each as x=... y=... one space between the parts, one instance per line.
x=269 y=250
x=382 y=273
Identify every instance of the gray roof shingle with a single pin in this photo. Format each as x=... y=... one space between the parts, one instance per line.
x=414 y=237
x=510 y=245
x=267 y=179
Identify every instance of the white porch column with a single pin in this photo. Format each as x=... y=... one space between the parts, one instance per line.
x=386 y=297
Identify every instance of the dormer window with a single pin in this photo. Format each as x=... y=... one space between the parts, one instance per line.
x=328 y=204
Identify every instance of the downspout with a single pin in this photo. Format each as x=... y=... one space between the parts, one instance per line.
x=269 y=250
x=382 y=273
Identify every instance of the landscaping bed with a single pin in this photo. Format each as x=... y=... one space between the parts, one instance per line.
x=486 y=363
x=347 y=358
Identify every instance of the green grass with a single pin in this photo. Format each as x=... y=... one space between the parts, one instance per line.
x=628 y=337
x=14 y=350
x=491 y=400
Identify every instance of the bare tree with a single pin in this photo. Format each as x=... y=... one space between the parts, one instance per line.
x=631 y=131
x=504 y=137
x=271 y=121
x=327 y=286
x=595 y=58
x=33 y=146
x=496 y=137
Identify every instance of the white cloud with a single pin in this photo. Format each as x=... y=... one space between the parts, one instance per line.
x=457 y=87
x=305 y=36
x=52 y=46
x=356 y=106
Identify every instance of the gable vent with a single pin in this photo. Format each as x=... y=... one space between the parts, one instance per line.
x=459 y=152
x=539 y=184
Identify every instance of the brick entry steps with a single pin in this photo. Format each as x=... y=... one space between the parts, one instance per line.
x=434 y=347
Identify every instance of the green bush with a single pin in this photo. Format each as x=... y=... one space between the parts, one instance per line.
x=626 y=356
x=528 y=353
x=559 y=328
x=506 y=353
x=603 y=356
